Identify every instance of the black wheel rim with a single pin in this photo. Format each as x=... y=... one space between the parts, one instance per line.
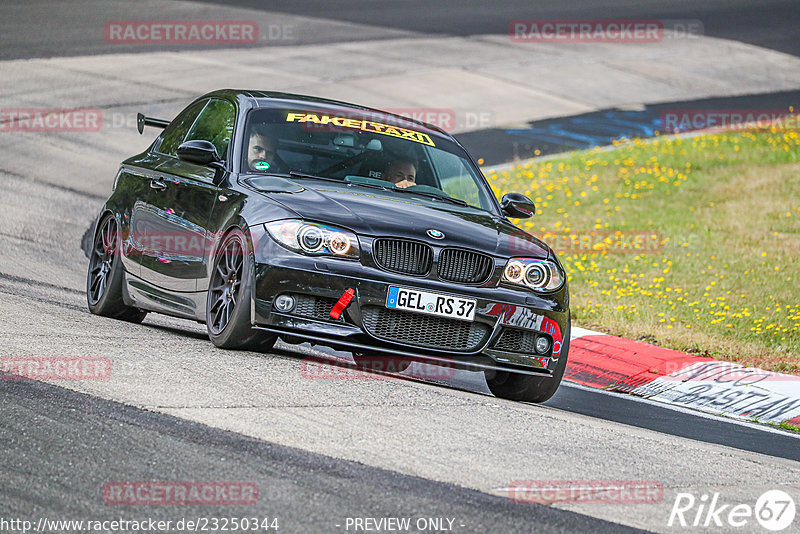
x=103 y=253
x=225 y=285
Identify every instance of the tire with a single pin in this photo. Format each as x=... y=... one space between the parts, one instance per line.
x=527 y=388
x=229 y=293
x=104 y=278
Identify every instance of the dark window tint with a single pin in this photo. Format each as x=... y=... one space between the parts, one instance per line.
x=215 y=124
x=176 y=131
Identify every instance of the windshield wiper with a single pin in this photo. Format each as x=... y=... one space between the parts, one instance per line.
x=295 y=174
x=434 y=196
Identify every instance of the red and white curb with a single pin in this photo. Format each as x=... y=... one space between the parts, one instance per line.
x=722 y=388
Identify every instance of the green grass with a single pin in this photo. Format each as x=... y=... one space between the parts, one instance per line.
x=785 y=426
x=724 y=211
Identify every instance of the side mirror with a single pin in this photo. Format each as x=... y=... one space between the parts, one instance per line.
x=517 y=206
x=198 y=151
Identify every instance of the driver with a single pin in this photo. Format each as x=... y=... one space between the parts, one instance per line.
x=402 y=172
x=261 y=151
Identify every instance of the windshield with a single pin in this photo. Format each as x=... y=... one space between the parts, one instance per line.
x=371 y=150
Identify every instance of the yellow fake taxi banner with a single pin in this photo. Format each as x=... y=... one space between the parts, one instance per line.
x=363 y=125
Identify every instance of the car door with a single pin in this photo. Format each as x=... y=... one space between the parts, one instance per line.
x=180 y=204
x=145 y=224
x=131 y=187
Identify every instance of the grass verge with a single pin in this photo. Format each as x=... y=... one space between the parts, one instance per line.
x=692 y=243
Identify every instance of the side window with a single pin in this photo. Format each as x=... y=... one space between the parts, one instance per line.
x=176 y=131
x=215 y=124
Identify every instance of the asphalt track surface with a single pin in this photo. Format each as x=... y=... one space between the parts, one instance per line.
x=770 y=24
x=100 y=441
x=178 y=409
x=601 y=128
x=28 y=28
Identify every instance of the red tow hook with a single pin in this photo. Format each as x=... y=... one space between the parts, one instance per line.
x=344 y=300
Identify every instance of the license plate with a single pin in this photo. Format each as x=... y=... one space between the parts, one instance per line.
x=403 y=298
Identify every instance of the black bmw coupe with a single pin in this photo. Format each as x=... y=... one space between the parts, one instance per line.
x=269 y=215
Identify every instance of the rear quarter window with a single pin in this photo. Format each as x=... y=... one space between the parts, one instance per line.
x=175 y=133
x=215 y=124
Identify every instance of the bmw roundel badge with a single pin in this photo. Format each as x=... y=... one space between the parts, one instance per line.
x=436 y=234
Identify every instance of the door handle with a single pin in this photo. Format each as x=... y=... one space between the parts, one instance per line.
x=158 y=184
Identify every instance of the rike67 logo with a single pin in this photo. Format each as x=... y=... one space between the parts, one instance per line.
x=774 y=510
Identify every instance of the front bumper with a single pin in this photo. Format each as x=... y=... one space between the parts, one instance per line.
x=505 y=317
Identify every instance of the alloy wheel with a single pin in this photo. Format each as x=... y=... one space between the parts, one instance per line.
x=103 y=253
x=225 y=284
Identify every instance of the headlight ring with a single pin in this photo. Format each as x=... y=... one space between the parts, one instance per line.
x=534 y=273
x=314 y=239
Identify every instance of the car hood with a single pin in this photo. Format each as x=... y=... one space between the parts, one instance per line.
x=374 y=212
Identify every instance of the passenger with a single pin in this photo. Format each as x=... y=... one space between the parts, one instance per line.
x=261 y=152
x=402 y=172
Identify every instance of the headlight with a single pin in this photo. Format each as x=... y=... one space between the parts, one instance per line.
x=314 y=239
x=539 y=275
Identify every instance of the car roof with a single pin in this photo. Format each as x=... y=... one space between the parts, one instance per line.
x=265 y=98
